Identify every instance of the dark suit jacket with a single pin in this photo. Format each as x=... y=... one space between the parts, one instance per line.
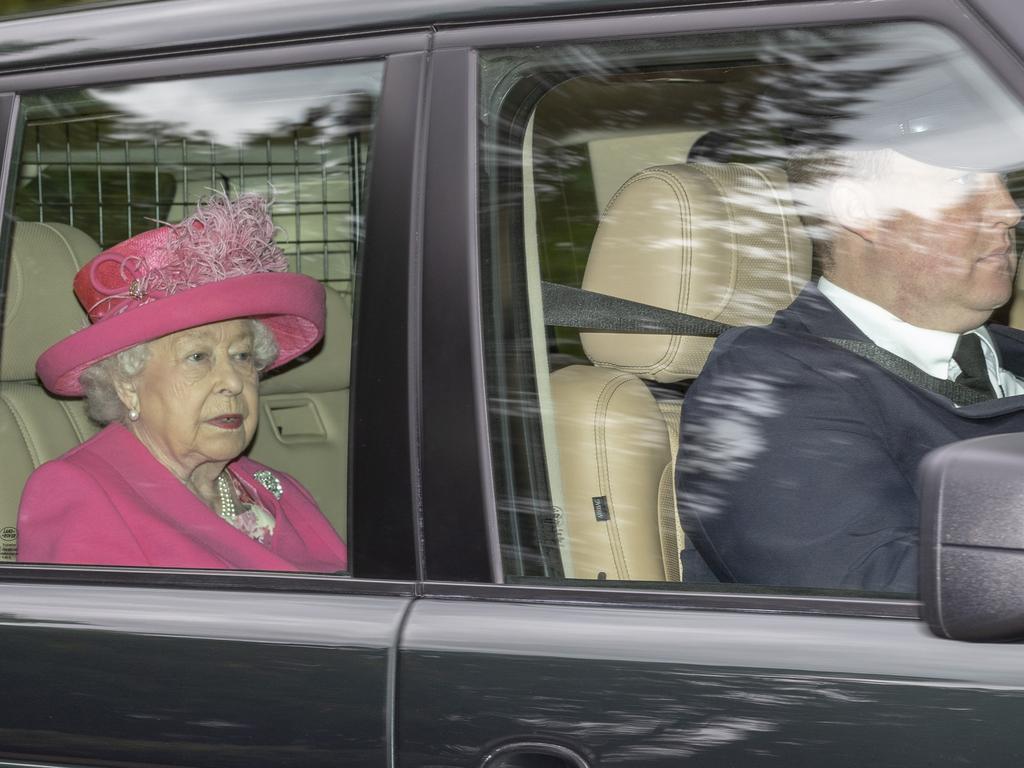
x=798 y=459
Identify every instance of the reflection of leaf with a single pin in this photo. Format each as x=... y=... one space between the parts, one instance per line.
x=809 y=80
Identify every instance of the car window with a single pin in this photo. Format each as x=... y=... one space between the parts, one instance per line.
x=99 y=166
x=720 y=177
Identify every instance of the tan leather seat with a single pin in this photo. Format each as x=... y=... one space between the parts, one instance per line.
x=39 y=310
x=720 y=241
x=304 y=417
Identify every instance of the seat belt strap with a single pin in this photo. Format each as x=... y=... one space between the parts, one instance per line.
x=570 y=307
x=958 y=393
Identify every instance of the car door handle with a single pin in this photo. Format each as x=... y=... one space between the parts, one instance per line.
x=534 y=754
x=295 y=420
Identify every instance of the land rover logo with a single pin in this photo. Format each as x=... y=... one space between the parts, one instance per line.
x=9 y=533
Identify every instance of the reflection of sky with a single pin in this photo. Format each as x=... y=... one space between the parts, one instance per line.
x=790 y=646
x=232 y=109
x=293 y=619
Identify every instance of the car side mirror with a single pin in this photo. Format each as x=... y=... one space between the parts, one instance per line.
x=972 y=538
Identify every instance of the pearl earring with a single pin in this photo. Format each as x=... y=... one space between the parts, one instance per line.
x=133 y=415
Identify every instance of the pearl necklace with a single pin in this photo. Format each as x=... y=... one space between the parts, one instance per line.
x=226 y=507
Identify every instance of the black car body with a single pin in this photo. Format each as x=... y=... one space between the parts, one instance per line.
x=456 y=640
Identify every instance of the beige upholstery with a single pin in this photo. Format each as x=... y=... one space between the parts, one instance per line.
x=718 y=241
x=613 y=447
x=39 y=309
x=304 y=417
x=670 y=530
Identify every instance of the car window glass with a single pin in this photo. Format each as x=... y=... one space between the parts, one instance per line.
x=719 y=177
x=100 y=165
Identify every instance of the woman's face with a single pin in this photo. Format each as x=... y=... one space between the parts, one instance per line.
x=197 y=396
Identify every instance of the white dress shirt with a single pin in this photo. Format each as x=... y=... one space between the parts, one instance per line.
x=931 y=351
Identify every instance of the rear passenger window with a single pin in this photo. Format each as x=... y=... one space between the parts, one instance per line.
x=99 y=166
x=644 y=197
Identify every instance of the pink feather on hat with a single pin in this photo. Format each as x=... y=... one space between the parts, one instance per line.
x=221 y=263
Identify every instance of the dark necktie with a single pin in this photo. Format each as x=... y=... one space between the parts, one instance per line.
x=971 y=359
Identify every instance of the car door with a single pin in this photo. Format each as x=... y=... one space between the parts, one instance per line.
x=116 y=666
x=527 y=647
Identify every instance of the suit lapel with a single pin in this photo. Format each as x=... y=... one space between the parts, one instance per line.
x=813 y=313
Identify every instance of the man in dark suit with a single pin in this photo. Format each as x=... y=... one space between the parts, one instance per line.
x=801 y=440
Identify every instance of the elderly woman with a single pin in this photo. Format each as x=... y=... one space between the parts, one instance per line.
x=184 y=319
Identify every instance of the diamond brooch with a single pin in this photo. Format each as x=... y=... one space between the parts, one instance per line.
x=269 y=481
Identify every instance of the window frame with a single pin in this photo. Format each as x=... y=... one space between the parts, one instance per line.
x=383 y=555
x=948 y=15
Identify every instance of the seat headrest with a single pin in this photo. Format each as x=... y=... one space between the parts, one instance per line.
x=328 y=367
x=39 y=308
x=720 y=241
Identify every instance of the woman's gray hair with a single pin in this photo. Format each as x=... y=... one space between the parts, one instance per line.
x=100 y=379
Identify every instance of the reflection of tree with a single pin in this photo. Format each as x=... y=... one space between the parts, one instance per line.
x=809 y=85
x=151 y=197
x=765 y=95
x=112 y=161
x=795 y=85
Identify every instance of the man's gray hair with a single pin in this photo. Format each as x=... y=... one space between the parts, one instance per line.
x=100 y=379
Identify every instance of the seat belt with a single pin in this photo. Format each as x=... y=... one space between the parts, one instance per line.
x=896 y=365
x=570 y=307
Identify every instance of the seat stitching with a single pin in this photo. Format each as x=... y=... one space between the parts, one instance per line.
x=15 y=291
x=670 y=181
x=780 y=200
x=685 y=276
x=716 y=182
x=67 y=244
x=25 y=436
x=74 y=421
x=604 y=478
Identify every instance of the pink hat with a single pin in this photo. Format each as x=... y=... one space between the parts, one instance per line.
x=219 y=264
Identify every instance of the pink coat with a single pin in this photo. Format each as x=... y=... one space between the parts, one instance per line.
x=110 y=502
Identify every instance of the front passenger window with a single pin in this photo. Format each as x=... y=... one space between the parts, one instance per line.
x=673 y=189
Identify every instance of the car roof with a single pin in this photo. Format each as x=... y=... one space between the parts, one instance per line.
x=146 y=28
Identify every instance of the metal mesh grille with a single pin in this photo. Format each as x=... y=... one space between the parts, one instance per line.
x=80 y=173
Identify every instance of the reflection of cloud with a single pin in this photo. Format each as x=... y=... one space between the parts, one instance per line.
x=233 y=109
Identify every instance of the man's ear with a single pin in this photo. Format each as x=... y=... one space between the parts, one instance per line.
x=852 y=207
